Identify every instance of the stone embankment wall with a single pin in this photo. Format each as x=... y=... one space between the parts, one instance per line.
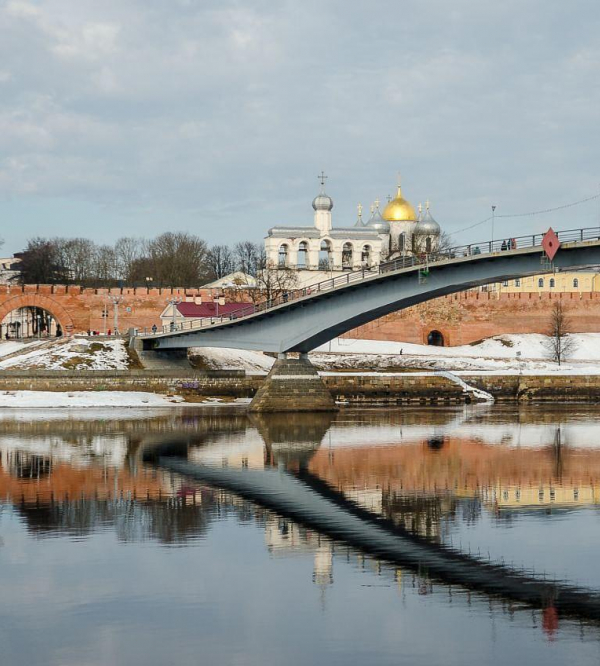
x=213 y=383
x=431 y=389
x=345 y=387
x=470 y=316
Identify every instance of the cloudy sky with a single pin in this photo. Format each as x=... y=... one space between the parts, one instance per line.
x=139 y=116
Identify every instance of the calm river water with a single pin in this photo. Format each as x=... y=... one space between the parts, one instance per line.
x=108 y=556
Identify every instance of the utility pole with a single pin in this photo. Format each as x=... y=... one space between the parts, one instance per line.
x=115 y=301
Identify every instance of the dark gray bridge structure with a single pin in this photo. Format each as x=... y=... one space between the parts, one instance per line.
x=306 y=318
x=310 y=501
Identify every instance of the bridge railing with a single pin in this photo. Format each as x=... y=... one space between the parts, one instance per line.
x=421 y=261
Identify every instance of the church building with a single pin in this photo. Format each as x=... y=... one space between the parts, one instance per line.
x=322 y=251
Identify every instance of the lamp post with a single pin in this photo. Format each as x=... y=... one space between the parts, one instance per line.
x=148 y=283
x=115 y=300
x=493 y=221
x=174 y=302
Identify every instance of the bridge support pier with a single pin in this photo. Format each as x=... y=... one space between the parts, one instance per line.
x=293 y=385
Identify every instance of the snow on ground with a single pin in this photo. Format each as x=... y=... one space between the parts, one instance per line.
x=494 y=355
x=237 y=359
x=73 y=354
x=10 y=346
x=51 y=399
x=531 y=346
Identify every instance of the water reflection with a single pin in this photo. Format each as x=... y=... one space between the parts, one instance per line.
x=488 y=482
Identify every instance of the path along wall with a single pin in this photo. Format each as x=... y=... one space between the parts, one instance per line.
x=471 y=316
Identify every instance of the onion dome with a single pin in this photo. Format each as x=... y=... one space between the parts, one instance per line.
x=376 y=222
x=322 y=201
x=359 y=221
x=399 y=210
x=427 y=226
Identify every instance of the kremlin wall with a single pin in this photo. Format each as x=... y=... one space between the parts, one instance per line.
x=461 y=318
x=470 y=316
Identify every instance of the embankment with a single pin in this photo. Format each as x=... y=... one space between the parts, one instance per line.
x=353 y=388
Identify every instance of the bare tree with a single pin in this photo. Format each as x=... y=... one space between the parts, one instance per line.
x=178 y=259
x=105 y=265
x=220 y=261
x=434 y=247
x=559 y=345
x=76 y=255
x=41 y=263
x=266 y=281
x=248 y=257
x=127 y=252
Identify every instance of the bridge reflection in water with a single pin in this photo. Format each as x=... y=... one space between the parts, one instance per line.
x=384 y=488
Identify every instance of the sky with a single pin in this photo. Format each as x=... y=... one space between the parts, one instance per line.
x=215 y=117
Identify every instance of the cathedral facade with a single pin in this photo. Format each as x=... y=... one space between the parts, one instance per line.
x=323 y=248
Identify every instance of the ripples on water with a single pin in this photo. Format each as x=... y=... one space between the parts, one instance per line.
x=108 y=558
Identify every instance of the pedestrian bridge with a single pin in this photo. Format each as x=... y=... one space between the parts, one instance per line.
x=312 y=502
x=302 y=320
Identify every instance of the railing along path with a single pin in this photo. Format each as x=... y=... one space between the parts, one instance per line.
x=414 y=261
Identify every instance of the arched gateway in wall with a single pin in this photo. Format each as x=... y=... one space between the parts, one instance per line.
x=38 y=301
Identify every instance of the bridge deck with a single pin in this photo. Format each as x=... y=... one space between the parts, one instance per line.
x=461 y=267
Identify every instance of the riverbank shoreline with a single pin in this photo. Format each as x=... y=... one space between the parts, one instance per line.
x=353 y=388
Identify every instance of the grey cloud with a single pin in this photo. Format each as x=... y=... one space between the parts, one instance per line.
x=220 y=114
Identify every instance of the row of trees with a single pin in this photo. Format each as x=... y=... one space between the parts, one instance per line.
x=169 y=260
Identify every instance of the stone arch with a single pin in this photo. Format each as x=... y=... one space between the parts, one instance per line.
x=435 y=338
x=42 y=302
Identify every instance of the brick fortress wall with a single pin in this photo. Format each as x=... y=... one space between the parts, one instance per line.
x=79 y=310
x=461 y=318
x=470 y=316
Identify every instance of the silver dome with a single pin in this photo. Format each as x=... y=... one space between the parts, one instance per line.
x=322 y=202
x=427 y=226
x=378 y=223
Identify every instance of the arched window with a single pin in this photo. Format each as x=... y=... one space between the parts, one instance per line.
x=428 y=245
x=402 y=242
x=283 y=255
x=325 y=258
x=541 y=283
x=575 y=283
x=302 y=254
x=347 y=255
x=552 y=283
x=366 y=255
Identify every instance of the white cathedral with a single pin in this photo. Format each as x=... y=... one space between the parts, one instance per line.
x=321 y=248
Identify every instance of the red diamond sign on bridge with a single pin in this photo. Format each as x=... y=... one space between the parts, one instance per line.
x=550 y=243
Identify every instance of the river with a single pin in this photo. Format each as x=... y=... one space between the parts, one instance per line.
x=204 y=535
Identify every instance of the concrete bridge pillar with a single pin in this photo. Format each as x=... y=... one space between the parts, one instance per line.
x=293 y=385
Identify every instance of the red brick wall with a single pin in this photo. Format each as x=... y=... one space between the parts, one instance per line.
x=470 y=316
x=461 y=318
x=79 y=309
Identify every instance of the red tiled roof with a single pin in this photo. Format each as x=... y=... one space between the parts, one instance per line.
x=195 y=310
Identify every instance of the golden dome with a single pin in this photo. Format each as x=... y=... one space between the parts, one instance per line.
x=399 y=209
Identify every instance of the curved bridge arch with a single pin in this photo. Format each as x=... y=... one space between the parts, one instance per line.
x=38 y=301
x=305 y=323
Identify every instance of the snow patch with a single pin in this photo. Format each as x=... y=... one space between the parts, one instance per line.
x=50 y=399
x=74 y=354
